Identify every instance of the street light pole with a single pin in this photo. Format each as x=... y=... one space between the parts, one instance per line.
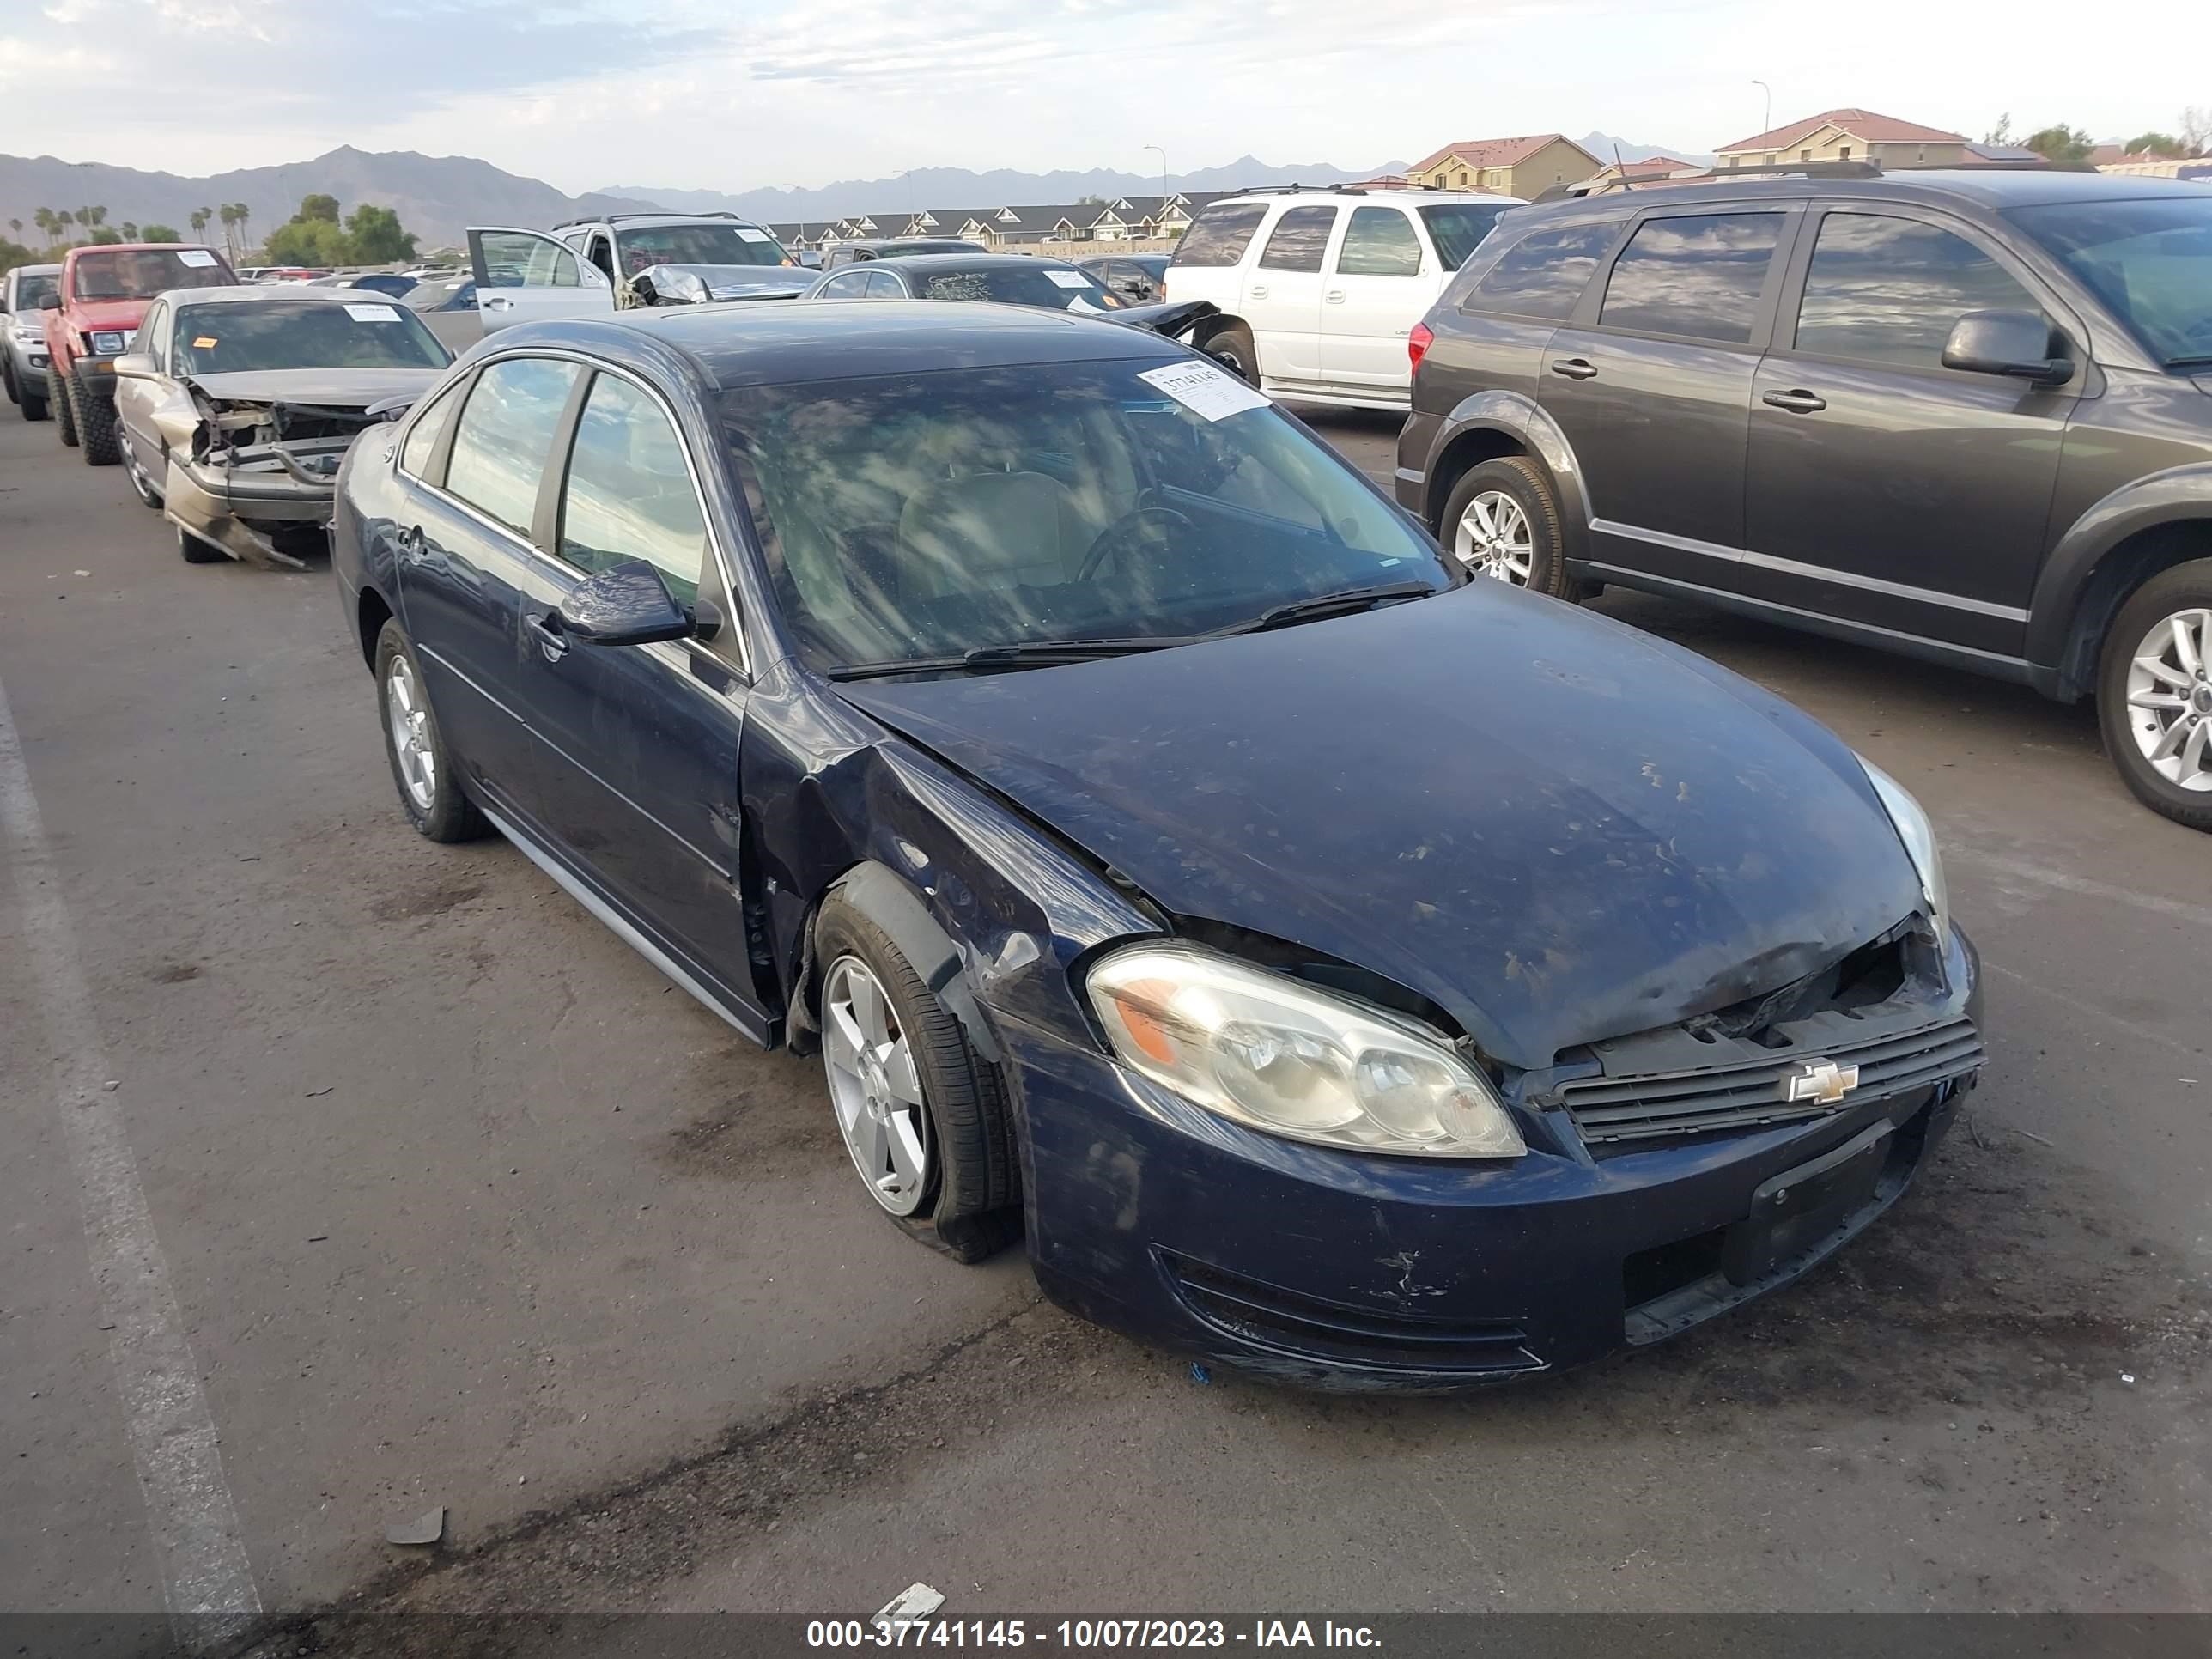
x=1769 y=91
x=1163 y=155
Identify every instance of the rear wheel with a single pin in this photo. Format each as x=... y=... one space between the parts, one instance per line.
x=421 y=766
x=1233 y=350
x=923 y=1115
x=96 y=425
x=31 y=401
x=1500 y=522
x=58 y=396
x=2154 y=694
x=7 y=378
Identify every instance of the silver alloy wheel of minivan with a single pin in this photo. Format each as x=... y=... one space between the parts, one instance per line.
x=874 y=1087
x=1493 y=539
x=2170 y=699
x=140 y=481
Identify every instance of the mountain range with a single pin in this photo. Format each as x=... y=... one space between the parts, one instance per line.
x=438 y=196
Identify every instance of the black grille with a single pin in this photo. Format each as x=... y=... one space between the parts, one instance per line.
x=1273 y=1318
x=1742 y=1092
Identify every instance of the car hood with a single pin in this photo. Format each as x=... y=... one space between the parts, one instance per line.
x=86 y=315
x=751 y=282
x=331 y=388
x=1555 y=828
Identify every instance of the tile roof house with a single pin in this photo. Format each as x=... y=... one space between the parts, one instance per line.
x=1848 y=135
x=1521 y=167
x=1651 y=167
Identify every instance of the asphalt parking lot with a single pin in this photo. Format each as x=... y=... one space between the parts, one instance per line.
x=456 y=1202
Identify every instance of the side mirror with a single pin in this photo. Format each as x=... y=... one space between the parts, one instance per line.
x=2020 y=344
x=50 y=302
x=630 y=605
x=136 y=366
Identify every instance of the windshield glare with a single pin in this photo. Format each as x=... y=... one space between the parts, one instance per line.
x=2148 y=260
x=1056 y=287
x=141 y=275
x=696 y=244
x=359 y=334
x=928 y=515
x=1458 y=227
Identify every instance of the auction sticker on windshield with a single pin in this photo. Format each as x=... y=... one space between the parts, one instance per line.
x=744 y=234
x=373 y=314
x=1069 y=278
x=196 y=256
x=1204 y=389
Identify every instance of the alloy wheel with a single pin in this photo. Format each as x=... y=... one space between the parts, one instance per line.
x=874 y=1087
x=2170 y=699
x=1493 y=539
x=409 y=718
x=135 y=472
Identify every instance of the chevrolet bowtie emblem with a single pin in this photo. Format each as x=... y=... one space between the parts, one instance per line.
x=1822 y=1081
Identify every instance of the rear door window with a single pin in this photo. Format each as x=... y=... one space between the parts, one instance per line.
x=1698 y=275
x=884 y=285
x=505 y=438
x=1299 y=240
x=1221 y=234
x=1887 y=290
x=423 y=436
x=1379 y=242
x=1543 y=274
x=849 y=286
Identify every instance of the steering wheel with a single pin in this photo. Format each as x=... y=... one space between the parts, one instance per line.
x=1135 y=528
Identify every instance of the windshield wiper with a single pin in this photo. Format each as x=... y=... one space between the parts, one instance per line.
x=1027 y=653
x=1324 y=605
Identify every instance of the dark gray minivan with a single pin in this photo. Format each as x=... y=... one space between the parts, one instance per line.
x=1963 y=415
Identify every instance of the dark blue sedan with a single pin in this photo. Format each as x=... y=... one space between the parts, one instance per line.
x=1341 y=970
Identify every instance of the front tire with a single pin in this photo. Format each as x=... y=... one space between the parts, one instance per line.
x=58 y=398
x=94 y=418
x=2154 y=694
x=423 y=767
x=7 y=377
x=1500 y=522
x=1233 y=350
x=923 y=1115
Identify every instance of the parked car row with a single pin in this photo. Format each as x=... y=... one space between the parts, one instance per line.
x=1333 y=960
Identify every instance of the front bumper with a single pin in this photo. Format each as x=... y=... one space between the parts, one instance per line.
x=27 y=357
x=1336 y=1270
x=257 y=513
x=95 y=377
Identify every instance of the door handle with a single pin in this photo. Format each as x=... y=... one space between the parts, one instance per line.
x=498 y=302
x=1575 y=368
x=1258 y=293
x=547 y=630
x=1798 y=402
x=410 y=539
x=1335 y=296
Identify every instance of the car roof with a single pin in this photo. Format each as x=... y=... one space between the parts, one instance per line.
x=144 y=247
x=797 y=341
x=924 y=265
x=297 y=293
x=1992 y=188
x=622 y=222
x=1411 y=196
x=33 y=270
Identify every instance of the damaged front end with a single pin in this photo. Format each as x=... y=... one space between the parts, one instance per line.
x=255 y=475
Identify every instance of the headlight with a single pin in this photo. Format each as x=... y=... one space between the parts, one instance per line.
x=1919 y=838
x=106 y=344
x=1278 y=1055
x=28 y=335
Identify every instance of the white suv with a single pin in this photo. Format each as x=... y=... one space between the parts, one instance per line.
x=1319 y=288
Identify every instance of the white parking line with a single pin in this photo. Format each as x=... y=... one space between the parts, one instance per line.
x=205 y=1577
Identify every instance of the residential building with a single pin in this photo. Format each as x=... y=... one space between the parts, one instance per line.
x=1849 y=135
x=1646 y=171
x=1524 y=167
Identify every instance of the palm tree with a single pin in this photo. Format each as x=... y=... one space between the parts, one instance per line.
x=244 y=213
x=44 y=219
x=62 y=220
x=130 y=230
x=15 y=227
x=200 y=218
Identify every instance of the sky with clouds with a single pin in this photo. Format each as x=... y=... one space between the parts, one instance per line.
x=690 y=93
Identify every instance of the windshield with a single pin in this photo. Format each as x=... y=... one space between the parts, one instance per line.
x=696 y=244
x=922 y=516
x=441 y=294
x=1057 y=288
x=2149 y=260
x=358 y=334
x=31 y=289
x=142 y=274
x=1458 y=227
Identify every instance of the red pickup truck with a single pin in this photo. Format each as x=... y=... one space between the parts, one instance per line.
x=90 y=318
